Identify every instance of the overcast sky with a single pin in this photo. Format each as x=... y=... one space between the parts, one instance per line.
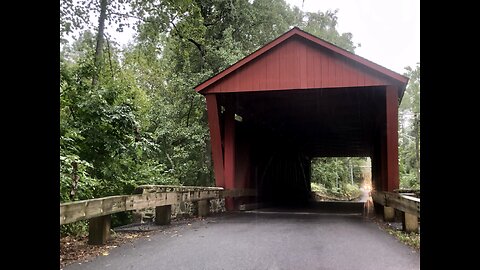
x=388 y=31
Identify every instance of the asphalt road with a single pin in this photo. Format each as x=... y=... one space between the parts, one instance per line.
x=265 y=239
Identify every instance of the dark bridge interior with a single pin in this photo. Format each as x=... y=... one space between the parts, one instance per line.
x=281 y=131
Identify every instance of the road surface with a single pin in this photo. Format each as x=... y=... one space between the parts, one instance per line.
x=265 y=239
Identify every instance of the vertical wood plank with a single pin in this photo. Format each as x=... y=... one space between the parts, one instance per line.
x=383 y=158
x=325 y=71
x=368 y=79
x=331 y=72
x=263 y=74
x=242 y=79
x=311 y=67
x=302 y=62
x=361 y=77
x=229 y=161
x=273 y=70
x=351 y=77
x=285 y=75
x=338 y=72
x=392 y=138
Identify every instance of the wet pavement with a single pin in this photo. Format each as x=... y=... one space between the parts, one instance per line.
x=265 y=239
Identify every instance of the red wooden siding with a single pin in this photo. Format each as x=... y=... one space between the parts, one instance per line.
x=229 y=157
x=215 y=139
x=392 y=173
x=297 y=64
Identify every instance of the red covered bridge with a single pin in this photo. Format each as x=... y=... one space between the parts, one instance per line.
x=297 y=98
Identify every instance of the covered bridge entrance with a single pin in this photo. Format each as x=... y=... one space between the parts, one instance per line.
x=297 y=98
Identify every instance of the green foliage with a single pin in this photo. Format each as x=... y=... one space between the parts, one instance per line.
x=86 y=186
x=332 y=176
x=323 y=25
x=351 y=190
x=316 y=187
x=121 y=218
x=409 y=132
x=346 y=191
x=75 y=15
x=77 y=229
x=410 y=239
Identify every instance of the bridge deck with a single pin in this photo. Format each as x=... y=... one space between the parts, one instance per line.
x=265 y=239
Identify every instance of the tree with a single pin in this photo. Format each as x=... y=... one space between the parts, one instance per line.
x=409 y=139
x=335 y=175
x=323 y=25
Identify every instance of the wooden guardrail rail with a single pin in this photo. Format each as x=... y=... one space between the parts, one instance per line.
x=408 y=205
x=98 y=211
x=87 y=209
x=398 y=201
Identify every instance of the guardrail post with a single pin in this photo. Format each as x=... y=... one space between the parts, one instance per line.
x=99 y=230
x=203 y=208
x=388 y=213
x=409 y=222
x=163 y=214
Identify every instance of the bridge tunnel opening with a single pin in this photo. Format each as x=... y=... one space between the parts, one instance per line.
x=283 y=177
x=278 y=133
x=340 y=178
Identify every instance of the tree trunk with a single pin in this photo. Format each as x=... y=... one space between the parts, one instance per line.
x=100 y=40
x=75 y=177
x=417 y=147
x=208 y=151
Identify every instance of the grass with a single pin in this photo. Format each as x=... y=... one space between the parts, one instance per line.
x=349 y=192
x=410 y=239
x=318 y=188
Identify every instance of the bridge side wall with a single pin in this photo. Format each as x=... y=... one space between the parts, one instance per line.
x=385 y=168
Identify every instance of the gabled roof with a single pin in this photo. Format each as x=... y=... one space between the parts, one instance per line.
x=383 y=76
